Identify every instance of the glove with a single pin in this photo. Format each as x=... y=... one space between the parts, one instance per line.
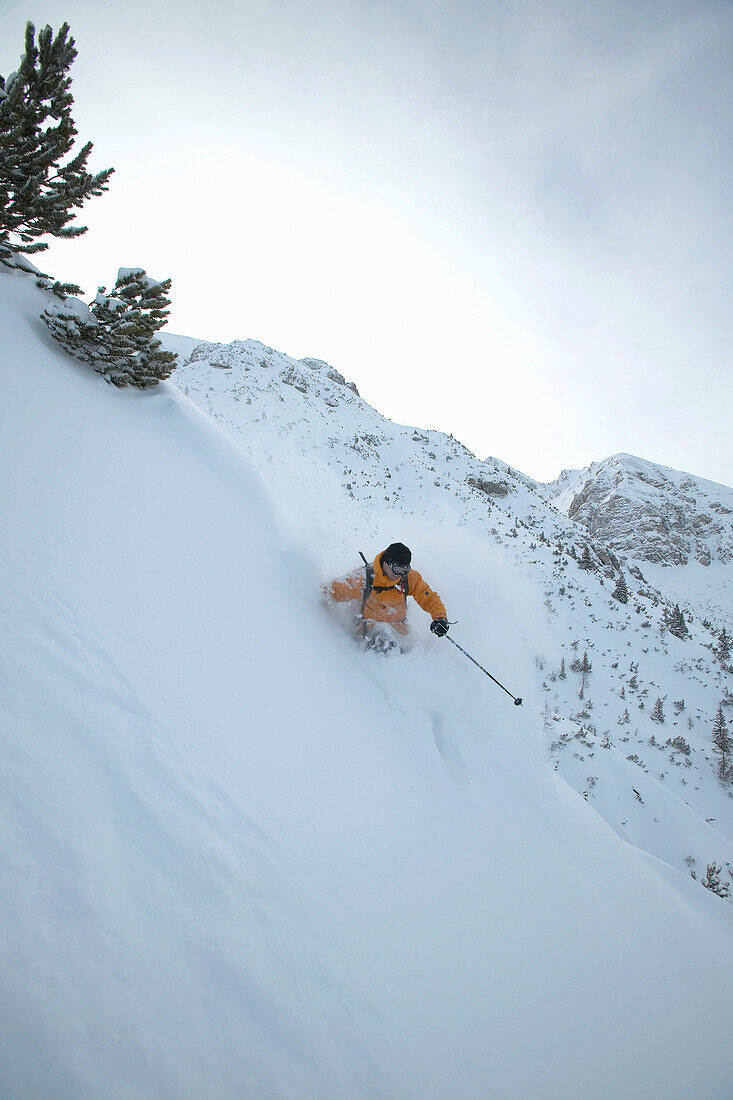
x=439 y=627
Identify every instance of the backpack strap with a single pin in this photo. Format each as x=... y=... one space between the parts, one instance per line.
x=370 y=586
x=368 y=582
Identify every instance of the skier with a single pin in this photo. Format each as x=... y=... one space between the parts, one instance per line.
x=382 y=589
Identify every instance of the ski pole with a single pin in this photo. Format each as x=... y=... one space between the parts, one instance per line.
x=517 y=700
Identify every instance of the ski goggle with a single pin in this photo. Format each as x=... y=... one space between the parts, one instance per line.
x=398 y=568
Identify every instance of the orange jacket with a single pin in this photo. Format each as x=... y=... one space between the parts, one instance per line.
x=389 y=606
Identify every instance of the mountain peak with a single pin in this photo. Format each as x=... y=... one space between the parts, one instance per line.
x=648 y=511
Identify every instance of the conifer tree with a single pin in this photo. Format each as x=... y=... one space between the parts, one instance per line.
x=621 y=592
x=586 y=562
x=724 y=647
x=658 y=712
x=722 y=746
x=584 y=667
x=39 y=188
x=136 y=357
x=677 y=624
x=711 y=880
x=116 y=333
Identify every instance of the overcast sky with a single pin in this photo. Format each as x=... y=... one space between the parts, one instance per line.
x=507 y=220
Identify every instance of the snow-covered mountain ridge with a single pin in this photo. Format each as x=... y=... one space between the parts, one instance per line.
x=649 y=512
x=631 y=511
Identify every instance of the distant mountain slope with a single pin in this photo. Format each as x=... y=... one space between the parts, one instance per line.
x=648 y=512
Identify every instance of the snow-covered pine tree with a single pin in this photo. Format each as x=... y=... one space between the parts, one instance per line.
x=116 y=333
x=711 y=880
x=585 y=668
x=621 y=592
x=136 y=357
x=724 y=647
x=586 y=562
x=677 y=624
x=658 y=712
x=722 y=747
x=74 y=327
x=38 y=191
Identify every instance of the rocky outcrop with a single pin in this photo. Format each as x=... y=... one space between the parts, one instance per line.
x=490 y=488
x=646 y=511
x=330 y=373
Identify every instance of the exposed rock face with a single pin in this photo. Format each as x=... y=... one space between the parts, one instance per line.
x=491 y=488
x=330 y=372
x=648 y=511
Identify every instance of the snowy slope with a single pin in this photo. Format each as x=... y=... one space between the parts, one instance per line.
x=242 y=859
x=345 y=475
x=342 y=471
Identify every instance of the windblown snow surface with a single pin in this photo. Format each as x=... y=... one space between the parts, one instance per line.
x=242 y=859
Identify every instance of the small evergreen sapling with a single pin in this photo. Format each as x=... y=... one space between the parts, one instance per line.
x=39 y=188
x=677 y=624
x=116 y=333
x=711 y=881
x=621 y=592
x=584 y=667
x=138 y=356
x=586 y=562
